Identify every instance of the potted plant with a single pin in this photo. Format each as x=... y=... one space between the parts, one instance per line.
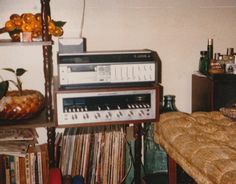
x=18 y=104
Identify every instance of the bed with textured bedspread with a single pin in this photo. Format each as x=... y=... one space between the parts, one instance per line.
x=202 y=143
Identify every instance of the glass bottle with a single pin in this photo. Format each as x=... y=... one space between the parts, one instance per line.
x=209 y=52
x=210 y=49
x=230 y=54
x=169 y=104
x=203 y=63
x=155 y=158
x=215 y=67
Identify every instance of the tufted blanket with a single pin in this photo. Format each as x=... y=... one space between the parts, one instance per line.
x=203 y=144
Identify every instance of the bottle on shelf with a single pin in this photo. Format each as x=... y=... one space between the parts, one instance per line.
x=209 y=53
x=203 y=63
x=210 y=49
x=215 y=67
x=230 y=54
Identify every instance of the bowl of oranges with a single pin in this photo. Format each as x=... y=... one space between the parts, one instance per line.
x=29 y=25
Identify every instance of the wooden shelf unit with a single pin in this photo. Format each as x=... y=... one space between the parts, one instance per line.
x=45 y=119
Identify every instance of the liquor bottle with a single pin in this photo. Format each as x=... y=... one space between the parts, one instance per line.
x=215 y=67
x=209 y=51
x=210 y=48
x=203 y=63
x=230 y=54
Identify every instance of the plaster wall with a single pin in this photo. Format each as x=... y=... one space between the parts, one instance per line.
x=177 y=30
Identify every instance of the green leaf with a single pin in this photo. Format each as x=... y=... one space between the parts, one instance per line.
x=59 y=23
x=13 y=82
x=20 y=71
x=9 y=69
x=3 y=88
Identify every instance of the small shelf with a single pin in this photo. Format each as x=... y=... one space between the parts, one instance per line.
x=37 y=122
x=9 y=42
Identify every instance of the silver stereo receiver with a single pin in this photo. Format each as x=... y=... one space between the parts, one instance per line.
x=103 y=106
x=107 y=68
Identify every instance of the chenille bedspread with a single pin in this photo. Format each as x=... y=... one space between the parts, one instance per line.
x=202 y=143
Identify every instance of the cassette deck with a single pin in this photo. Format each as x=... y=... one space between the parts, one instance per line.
x=107 y=68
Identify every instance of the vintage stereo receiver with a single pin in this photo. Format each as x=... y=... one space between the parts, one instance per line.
x=104 y=106
x=107 y=68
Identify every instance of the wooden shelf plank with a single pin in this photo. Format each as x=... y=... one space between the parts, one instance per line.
x=37 y=122
x=8 y=42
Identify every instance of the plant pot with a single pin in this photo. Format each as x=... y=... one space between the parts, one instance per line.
x=18 y=107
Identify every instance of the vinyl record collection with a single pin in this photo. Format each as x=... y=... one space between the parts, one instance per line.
x=96 y=154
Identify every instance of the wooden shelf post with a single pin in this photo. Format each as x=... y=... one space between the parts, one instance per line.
x=48 y=72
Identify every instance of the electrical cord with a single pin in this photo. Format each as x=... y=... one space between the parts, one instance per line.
x=82 y=19
x=132 y=161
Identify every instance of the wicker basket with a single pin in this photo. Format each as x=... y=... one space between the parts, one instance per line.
x=16 y=107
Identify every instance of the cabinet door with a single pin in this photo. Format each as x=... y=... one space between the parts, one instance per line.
x=212 y=93
x=224 y=92
x=202 y=93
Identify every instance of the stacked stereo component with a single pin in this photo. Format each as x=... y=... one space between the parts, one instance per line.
x=106 y=87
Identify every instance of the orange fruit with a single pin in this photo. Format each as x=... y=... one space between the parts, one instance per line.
x=58 y=31
x=27 y=28
x=28 y=17
x=10 y=26
x=51 y=27
x=38 y=17
x=49 y=18
x=18 y=23
x=15 y=17
x=36 y=33
x=37 y=25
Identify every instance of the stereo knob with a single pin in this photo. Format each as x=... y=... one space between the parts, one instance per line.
x=142 y=112
x=87 y=116
x=108 y=115
x=98 y=115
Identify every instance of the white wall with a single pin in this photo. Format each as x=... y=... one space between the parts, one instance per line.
x=177 y=30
